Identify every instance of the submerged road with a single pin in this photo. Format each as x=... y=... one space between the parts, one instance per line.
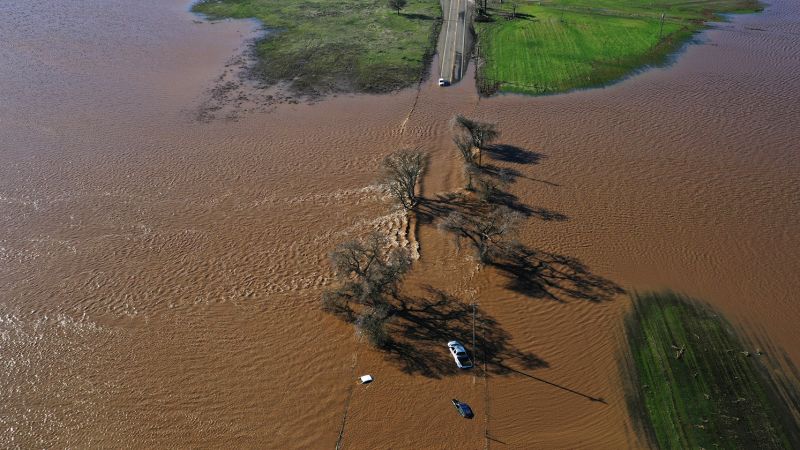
x=455 y=40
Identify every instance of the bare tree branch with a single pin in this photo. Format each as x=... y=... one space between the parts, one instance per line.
x=484 y=231
x=400 y=172
x=464 y=146
x=368 y=271
x=481 y=134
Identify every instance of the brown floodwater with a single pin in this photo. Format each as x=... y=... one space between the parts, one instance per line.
x=160 y=275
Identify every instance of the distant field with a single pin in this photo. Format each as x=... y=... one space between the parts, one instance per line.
x=322 y=46
x=556 y=46
x=696 y=385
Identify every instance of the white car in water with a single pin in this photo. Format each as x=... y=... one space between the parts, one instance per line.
x=459 y=354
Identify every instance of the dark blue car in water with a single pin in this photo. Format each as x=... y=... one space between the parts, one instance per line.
x=463 y=409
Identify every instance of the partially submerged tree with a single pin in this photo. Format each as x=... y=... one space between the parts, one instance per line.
x=484 y=231
x=481 y=134
x=490 y=187
x=397 y=5
x=400 y=171
x=464 y=146
x=369 y=270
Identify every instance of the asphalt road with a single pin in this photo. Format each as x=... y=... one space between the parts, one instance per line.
x=455 y=40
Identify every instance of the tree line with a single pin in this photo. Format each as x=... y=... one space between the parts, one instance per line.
x=369 y=271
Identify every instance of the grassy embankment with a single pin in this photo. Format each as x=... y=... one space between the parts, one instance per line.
x=559 y=45
x=322 y=46
x=696 y=386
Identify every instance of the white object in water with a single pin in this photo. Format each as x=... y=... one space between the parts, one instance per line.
x=366 y=379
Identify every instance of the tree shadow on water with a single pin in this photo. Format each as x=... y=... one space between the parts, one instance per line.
x=423 y=326
x=540 y=274
x=491 y=208
x=513 y=154
x=531 y=272
x=441 y=205
x=512 y=202
x=431 y=209
x=501 y=174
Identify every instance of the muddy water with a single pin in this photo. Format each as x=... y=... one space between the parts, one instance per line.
x=160 y=275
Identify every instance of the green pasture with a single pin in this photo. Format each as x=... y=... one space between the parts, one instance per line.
x=322 y=46
x=695 y=384
x=560 y=45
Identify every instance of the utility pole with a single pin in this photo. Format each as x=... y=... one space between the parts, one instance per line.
x=473 y=328
x=661 y=28
x=474 y=350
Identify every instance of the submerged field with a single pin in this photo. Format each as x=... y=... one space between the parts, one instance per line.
x=321 y=46
x=697 y=385
x=556 y=46
x=160 y=276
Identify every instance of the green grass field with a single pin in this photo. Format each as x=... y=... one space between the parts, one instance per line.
x=560 y=45
x=714 y=394
x=322 y=46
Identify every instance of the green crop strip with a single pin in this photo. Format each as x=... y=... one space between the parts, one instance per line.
x=695 y=385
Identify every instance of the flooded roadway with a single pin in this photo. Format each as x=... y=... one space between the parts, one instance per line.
x=159 y=276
